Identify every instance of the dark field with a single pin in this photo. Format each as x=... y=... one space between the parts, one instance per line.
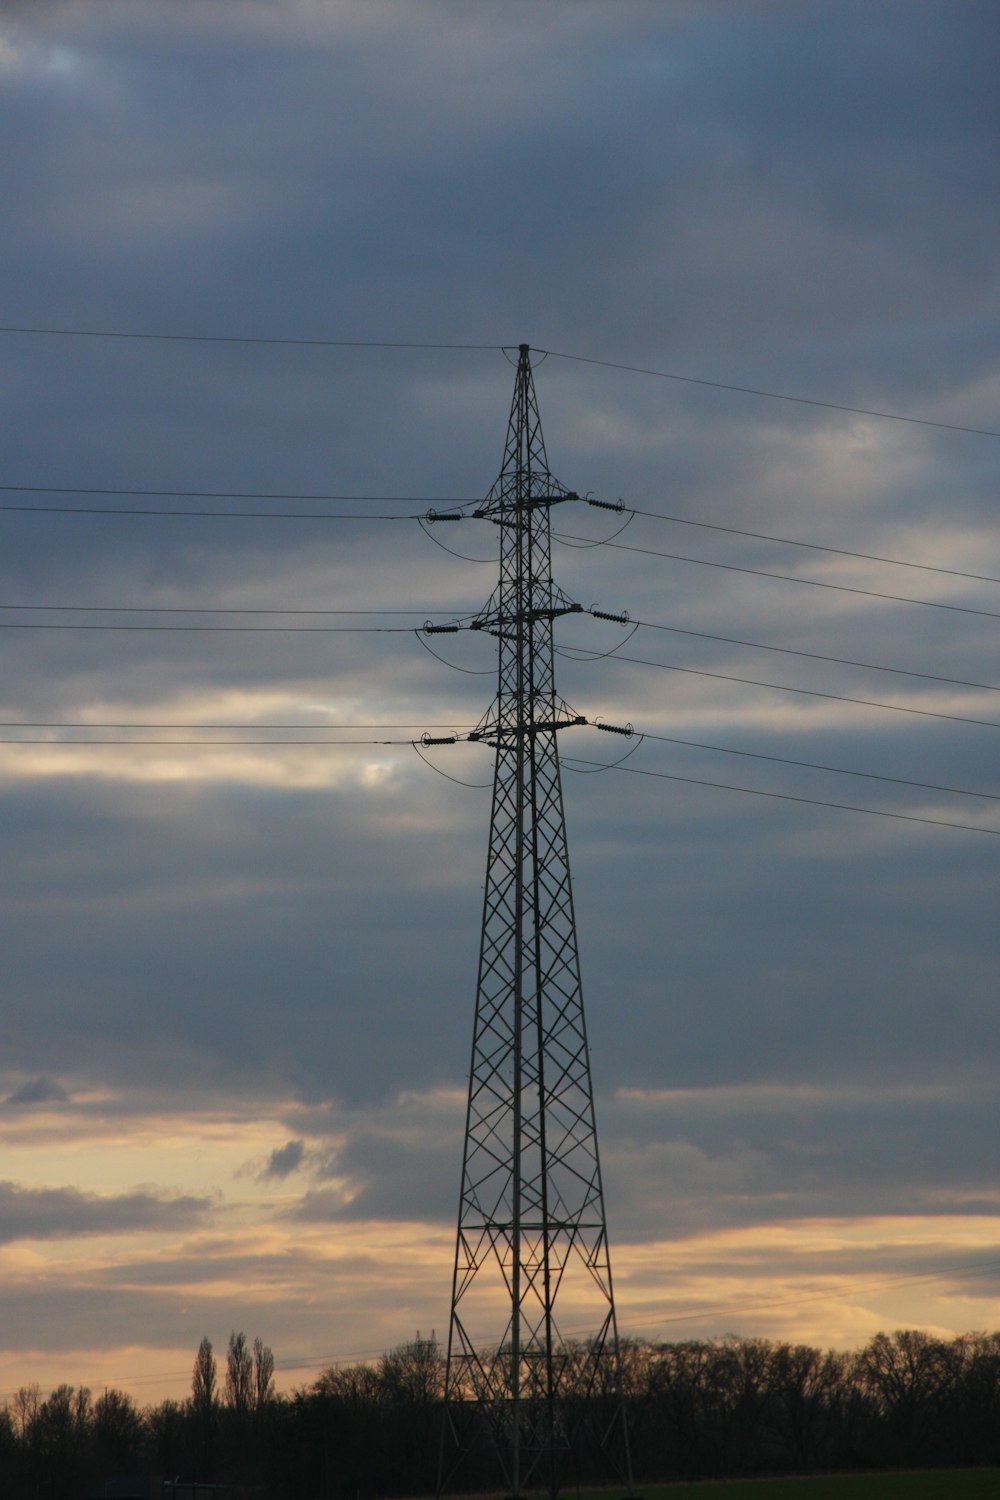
x=941 y=1484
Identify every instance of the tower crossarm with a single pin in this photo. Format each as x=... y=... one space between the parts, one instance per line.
x=490 y=735
x=526 y=616
x=502 y=510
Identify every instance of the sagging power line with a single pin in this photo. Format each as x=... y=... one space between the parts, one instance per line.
x=430 y=500
x=581 y=359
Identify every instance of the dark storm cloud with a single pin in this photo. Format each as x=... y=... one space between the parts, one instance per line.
x=49 y=1213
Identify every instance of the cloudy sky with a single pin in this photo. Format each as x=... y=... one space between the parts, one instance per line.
x=238 y=959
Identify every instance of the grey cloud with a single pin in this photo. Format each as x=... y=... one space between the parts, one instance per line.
x=689 y=1162
x=230 y=1263
x=398 y=1162
x=388 y=1180
x=765 y=212
x=39 y=1090
x=47 y=1213
x=284 y=1160
x=86 y=1317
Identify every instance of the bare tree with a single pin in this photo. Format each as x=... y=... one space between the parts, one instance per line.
x=26 y=1404
x=413 y=1373
x=263 y=1375
x=203 y=1381
x=809 y=1389
x=909 y=1374
x=205 y=1408
x=239 y=1374
x=118 y=1431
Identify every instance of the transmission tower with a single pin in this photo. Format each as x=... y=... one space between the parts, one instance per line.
x=531 y=1252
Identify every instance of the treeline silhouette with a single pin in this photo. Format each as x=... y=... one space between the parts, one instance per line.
x=698 y=1409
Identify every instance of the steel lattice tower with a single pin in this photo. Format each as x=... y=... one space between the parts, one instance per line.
x=532 y=1236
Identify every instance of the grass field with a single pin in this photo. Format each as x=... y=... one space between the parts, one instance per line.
x=928 y=1484
x=940 y=1484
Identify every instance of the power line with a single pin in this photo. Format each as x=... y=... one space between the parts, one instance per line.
x=607 y=364
x=749 y=390
x=812 y=765
x=87 y=724
x=751 y=791
x=216 y=629
x=905 y=1279
x=191 y=609
x=217 y=515
x=195 y=609
x=570 y=652
x=201 y=744
x=133 y=727
x=841 y=588
x=310 y=1362
x=221 y=338
x=843 y=661
x=566 y=538
x=140 y=727
x=210 y=609
x=762 y=536
x=77 y=489
x=925 y=713
x=288 y=1363
x=433 y=500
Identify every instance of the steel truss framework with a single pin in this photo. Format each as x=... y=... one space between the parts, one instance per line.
x=532 y=1234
